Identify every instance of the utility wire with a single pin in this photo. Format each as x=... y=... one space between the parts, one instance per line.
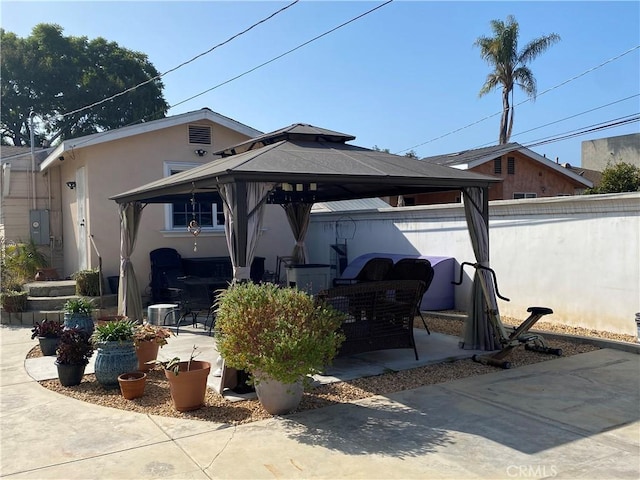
x=131 y=89
x=259 y=66
x=524 y=101
x=283 y=54
x=565 y=118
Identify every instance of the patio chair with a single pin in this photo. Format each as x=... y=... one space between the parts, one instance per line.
x=414 y=269
x=374 y=270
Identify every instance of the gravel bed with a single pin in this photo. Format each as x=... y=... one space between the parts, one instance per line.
x=157 y=399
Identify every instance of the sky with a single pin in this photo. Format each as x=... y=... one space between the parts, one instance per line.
x=403 y=77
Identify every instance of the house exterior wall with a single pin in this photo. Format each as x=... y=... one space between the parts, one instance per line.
x=577 y=255
x=120 y=165
x=529 y=176
x=597 y=154
x=18 y=202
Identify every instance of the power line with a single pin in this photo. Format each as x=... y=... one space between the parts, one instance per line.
x=565 y=118
x=616 y=122
x=157 y=77
x=283 y=54
x=256 y=67
x=526 y=100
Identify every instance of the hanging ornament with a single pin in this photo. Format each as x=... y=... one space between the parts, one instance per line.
x=194 y=228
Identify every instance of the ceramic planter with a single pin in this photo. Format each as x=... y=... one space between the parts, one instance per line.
x=114 y=359
x=132 y=384
x=48 y=345
x=188 y=388
x=79 y=320
x=146 y=351
x=70 y=375
x=279 y=398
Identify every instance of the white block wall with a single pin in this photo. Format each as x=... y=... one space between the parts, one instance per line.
x=578 y=255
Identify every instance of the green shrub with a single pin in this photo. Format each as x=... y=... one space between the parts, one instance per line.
x=14 y=301
x=87 y=283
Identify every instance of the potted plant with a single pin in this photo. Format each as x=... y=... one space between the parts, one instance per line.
x=116 y=352
x=280 y=335
x=73 y=353
x=14 y=301
x=132 y=384
x=87 y=282
x=187 y=381
x=48 y=334
x=148 y=339
x=77 y=314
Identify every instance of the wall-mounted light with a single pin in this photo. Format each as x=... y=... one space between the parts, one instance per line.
x=71 y=185
x=200 y=152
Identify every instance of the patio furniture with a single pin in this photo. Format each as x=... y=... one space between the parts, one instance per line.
x=380 y=314
x=375 y=269
x=413 y=269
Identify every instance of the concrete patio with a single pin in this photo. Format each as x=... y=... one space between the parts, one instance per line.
x=574 y=417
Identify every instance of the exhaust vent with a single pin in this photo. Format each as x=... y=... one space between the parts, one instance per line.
x=200 y=134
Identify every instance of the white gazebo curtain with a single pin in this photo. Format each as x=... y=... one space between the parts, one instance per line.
x=298 y=215
x=478 y=332
x=129 y=299
x=243 y=214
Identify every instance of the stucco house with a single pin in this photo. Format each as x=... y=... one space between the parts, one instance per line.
x=524 y=174
x=77 y=177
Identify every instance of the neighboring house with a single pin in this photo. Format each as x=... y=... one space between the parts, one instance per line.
x=22 y=190
x=524 y=174
x=594 y=176
x=598 y=154
x=84 y=172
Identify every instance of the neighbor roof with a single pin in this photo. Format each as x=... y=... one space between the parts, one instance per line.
x=330 y=168
x=468 y=159
x=124 y=132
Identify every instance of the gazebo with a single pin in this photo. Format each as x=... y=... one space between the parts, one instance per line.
x=295 y=167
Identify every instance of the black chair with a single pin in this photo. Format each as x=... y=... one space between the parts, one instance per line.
x=374 y=270
x=166 y=271
x=414 y=269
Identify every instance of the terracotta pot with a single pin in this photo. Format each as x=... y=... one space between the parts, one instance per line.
x=146 y=351
x=188 y=388
x=132 y=384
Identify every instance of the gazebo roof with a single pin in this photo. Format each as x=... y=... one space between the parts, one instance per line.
x=308 y=164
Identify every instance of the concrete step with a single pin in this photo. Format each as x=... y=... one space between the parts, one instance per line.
x=56 y=303
x=58 y=288
x=30 y=318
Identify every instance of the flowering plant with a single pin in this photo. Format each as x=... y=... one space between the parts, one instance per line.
x=47 y=328
x=151 y=333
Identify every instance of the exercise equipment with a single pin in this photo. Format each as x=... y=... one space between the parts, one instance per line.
x=509 y=337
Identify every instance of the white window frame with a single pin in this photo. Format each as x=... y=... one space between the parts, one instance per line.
x=168 y=207
x=521 y=195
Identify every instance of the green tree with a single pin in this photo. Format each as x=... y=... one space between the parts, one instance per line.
x=53 y=75
x=617 y=178
x=510 y=66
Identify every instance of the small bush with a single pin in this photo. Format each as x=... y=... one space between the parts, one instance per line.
x=87 y=283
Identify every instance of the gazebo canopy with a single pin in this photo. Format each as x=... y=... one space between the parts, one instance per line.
x=296 y=167
x=308 y=164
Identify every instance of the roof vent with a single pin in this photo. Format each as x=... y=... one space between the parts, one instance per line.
x=200 y=134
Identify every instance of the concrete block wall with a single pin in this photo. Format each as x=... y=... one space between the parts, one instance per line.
x=578 y=255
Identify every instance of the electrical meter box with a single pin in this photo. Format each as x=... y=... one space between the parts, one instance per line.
x=39 y=226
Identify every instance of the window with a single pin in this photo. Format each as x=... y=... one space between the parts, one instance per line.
x=178 y=214
x=511 y=165
x=519 y=195
x=497 y=165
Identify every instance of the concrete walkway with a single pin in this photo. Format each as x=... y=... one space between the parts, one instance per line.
x=575 y=417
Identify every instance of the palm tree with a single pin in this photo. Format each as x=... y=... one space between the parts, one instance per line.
x=510 y=66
